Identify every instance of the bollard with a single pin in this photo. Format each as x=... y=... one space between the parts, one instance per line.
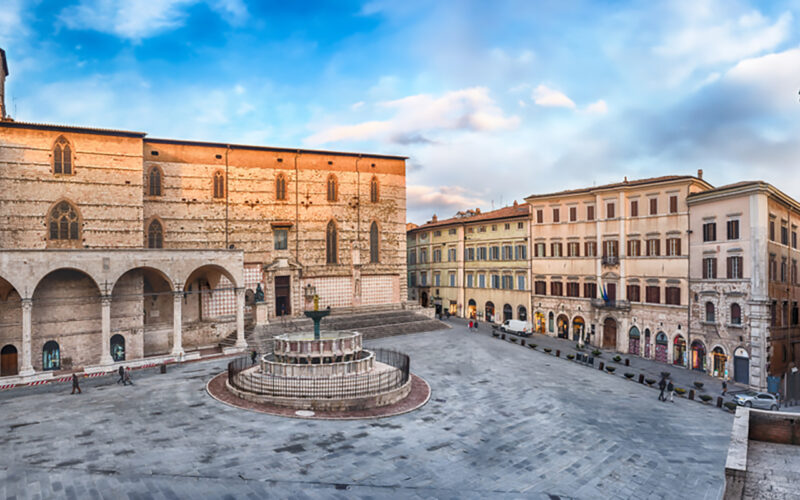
x=163 y=368
x=691 y=394
x=503 y=336
x=522 y=342
x=627 y=362
x=558 y=353
x=601 y=365
x=719 y=401
x=641 y=378
x=590 y=360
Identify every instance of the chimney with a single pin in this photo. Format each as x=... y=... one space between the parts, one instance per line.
x=699 y=173
x=434 y=218
x=626 y=179
x=3 y=75
x=515 y=204
x=477 y=210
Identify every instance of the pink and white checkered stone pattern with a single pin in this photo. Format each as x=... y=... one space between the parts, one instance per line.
x=377 y=290
x=334 y=291
x=252 y=277
x=222 y=301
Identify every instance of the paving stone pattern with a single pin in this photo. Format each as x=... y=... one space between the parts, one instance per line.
x=503 y=422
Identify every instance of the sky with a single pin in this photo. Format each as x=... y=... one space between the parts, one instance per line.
x=491 y=101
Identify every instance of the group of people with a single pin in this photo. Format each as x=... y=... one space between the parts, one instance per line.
x=124 y=379
x=473 y=324
x=667 y=387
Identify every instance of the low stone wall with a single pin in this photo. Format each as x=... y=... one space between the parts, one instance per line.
x=348 y=404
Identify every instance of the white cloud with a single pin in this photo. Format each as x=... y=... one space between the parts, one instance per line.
x=138 y=19
x=469 y=109
x=441 y=199
x=773 y=78
x=599 y=107
x=550 y=98
x=11 y=25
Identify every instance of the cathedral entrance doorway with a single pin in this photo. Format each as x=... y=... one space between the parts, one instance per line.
x=283 y=305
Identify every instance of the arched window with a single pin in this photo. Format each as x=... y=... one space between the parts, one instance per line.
x=155 y=235
x=333 y=188
x=51 y=356
x=709 y=312
x=280 y=187
x=736 y=314
x=219 y=184
x=62 y=157
x=374 y=195
x=154 y=182
x=374 y=241
x=330 y=244
x=118 y=347
x=63 y=222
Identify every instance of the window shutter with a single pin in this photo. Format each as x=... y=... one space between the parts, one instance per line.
x=677 y=246
x=714 y=268
x=730 y=267
x=658 y=247
x=705 y=268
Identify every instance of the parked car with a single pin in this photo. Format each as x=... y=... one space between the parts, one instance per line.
x=753 y=399
x=517 y=327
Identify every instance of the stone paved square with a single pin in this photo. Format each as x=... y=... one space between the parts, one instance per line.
x=503 y=422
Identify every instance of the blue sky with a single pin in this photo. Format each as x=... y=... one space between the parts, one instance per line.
x=491 y=101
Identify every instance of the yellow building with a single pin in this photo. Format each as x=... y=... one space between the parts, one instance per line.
x=474 y=265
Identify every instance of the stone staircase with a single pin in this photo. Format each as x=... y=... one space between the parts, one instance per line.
x=373 y=323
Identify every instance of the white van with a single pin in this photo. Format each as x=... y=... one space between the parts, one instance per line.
x=517 y=327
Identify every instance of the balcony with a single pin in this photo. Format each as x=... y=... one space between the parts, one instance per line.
x=610 y=261
x=620 y=305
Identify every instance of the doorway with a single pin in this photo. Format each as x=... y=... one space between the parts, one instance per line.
x=610 y=333
x=741 y=366
x=8 y=361
x=283 y=306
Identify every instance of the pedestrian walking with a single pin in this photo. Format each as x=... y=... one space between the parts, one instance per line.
x=470 y=324
x=121 y=372
x=671 y=390
x=662 y=385
x=724 y=388
x=75 y=386
x=127 y=380
x=253 y=357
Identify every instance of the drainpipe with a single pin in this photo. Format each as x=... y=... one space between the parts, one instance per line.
x=688 y=281
x=227 y=149
x=358 y=204
x=296 y=208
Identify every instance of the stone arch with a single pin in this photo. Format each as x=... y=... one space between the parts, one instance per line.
x=719 y=360
x=472 y=308
x=634 y=340
x=679 y=350
x=578 y=327
x=698 y=360
x=522 y=313
x=562 y=326
x=488 y=311
x=9 y=360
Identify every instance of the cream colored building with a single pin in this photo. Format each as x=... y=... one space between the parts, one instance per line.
x=744 y=282
x=610 y=265
x=474 y=265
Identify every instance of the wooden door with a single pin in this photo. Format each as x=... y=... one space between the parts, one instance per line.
x=8 y=361
x=610 y=333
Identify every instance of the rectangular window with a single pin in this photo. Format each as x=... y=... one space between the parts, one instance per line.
x=633 y=293
x=482 y=229
x=784 y=234
x=611 y=248
x=470 y=281
x=794 y=239
x=734 y=267
x=634 y=248
x=520 y=282
x=555 y=215
x=508 y=282
x=653 y=206
x=772 y=230
x=470 y=230
x=412 y=257
x=470 y=254
x=634 y=208
x=794 y=271
x=281 y=239
x=423 y=256
x=481 y=253
x=423 y=278
x=673 y=204
x=674 y=247
x=507 y=226
x=672 y=294
x=590 y=212
x=556 y=288
x=437 y=255
x=590 y=290
x=521 y=252
x=540 y=216
x=710 y=231
x=574 y=249
x=773 y=267
x=610 y=211
x=495 y=253
x=710 y=268
x=573 y=289
x=653 y=247
x=573 y=214
x=652 y=294
x=733 y=229
x=436 y=279
x=520 y=225
x=540 y=288
x=412 y=279
x=591 y=249
x=507 y=252
x=481 y=281
x=436 y=234
x=494 y=227
x=452 y=277
x=783 y=270
x=451 y=254
x=555 y=249
x=539 y=250
x=496 y=281
x=451 y=231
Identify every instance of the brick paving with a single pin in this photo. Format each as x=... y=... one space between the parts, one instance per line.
x=502 y=422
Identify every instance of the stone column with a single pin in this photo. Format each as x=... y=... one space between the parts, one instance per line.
x=177 y=327
x=240 y=342
x=105 y=316
x=27 y=367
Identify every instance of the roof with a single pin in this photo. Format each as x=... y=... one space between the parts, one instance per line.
x=519 y=210
x=626 y=183
x=743 y=187
x=69 y=128
x=5 y=63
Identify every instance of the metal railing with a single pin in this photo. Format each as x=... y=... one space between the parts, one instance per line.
x=335 y=387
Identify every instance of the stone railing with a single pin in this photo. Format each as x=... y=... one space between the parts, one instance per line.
x=293 y=346
x=277 y=369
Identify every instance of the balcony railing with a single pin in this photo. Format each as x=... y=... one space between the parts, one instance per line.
x=611 y=304
x=610 y=261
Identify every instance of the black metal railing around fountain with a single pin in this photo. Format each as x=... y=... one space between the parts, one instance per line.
x=335 y=387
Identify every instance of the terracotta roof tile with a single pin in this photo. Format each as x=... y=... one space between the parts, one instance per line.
x=635 y=182
x=519 y=210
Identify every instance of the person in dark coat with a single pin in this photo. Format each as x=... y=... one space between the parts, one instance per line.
x=671 y=391
x=253 y=357
x=75 y=386
x=724 y=388
x=662 y=385
x=127 y=379
x=121 y=372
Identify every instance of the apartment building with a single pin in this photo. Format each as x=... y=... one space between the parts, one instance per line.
x=610 y=265
x=473 y=265
x=744 y=285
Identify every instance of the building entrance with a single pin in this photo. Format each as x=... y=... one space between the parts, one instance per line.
x=283 y=306
x=8 y=361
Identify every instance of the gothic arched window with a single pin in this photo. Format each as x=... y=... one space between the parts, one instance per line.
x=154 y=182
x=62 y=157
x=64 y=222
x=331 y=244
x=219 y=184
x=374 y=195
x=155 y=235
x=333 y=188
x=374 y=241
x=280 y=187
